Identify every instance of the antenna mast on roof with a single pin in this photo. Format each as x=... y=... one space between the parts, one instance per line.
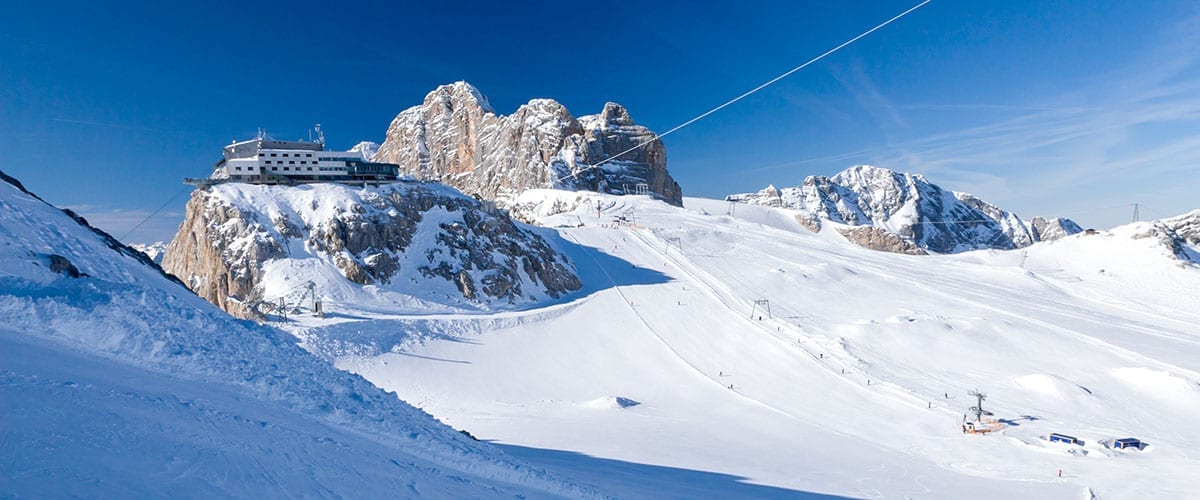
x=320 y=135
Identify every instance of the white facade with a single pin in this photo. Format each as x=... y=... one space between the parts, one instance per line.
x=292 y=163
x=268 y=161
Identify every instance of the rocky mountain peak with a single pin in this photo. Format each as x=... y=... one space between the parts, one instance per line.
x=366 y=148
x=455 y=136
x=914 y=210
x=456 y=94
x=615 y=114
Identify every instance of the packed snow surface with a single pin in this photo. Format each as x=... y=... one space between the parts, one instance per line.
x=121 y=383
x=665 y=378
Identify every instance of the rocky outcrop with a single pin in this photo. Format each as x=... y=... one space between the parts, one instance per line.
x=909 y=207
x=405 y=236
x=1186 y=227
x=769 y=196
x=219 y=251
x=456 y=137
x=877 y=238
x=1180 y=235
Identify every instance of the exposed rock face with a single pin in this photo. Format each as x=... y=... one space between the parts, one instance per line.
x=910 y=207
x=1185 y=227
x=457 y=137
x=420 y=232
x=1052 y=229
x=204 y=254
x=877 y=238
x=1180 y=234
x=769 y=196
x=61 y=265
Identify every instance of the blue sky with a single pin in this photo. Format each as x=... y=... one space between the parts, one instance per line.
x=1056 y=108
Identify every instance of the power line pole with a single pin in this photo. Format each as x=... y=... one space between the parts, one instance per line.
x=1135 y=212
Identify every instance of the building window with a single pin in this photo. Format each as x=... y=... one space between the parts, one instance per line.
x=302 y=162
x=275 y=169
x=237 y=168
x=308 y=155
x=261 y=154
x=285 y=169
x=310 y=169
x=293 y=162
x=272 y=155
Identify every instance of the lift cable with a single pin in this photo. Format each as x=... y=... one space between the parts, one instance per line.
x=152 y=214
x=745 y=94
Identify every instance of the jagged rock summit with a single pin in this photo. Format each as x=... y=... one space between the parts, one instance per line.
x=407 y=245
x=908 y=213
x=456 y=136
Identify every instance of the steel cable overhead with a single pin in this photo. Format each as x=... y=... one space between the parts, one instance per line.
x=744 y=94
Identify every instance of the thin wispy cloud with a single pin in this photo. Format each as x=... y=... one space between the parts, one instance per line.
x=1133 y=132
x=1132 y=123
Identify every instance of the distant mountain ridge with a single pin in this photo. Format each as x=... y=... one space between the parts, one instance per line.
x=906 y=213
x=456 y=136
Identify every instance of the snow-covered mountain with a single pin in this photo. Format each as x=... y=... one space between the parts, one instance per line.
x=408 y=242
x=744 y=356
x=153 y=250
x=457 y=137
x=1179 y=235
x=908 y=213
x=366 y=148
x=116 y=381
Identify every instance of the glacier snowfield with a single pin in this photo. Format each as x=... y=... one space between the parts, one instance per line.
x=666 y=378
x=710 y=355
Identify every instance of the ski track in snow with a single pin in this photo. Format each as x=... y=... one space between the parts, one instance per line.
x=840 y=316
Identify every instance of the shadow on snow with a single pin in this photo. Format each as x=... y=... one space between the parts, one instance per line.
x=634 y=480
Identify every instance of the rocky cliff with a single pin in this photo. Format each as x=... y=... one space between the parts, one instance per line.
x=909 y=207
x=1186 y=227
x=402 y=245
x=1179 y=234
x=456 y=136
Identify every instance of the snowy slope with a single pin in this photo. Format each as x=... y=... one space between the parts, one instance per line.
x=659 y=382
x=120 y=383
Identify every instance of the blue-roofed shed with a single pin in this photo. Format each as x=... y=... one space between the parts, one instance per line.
x=1063 y=438
x=1126 y=443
